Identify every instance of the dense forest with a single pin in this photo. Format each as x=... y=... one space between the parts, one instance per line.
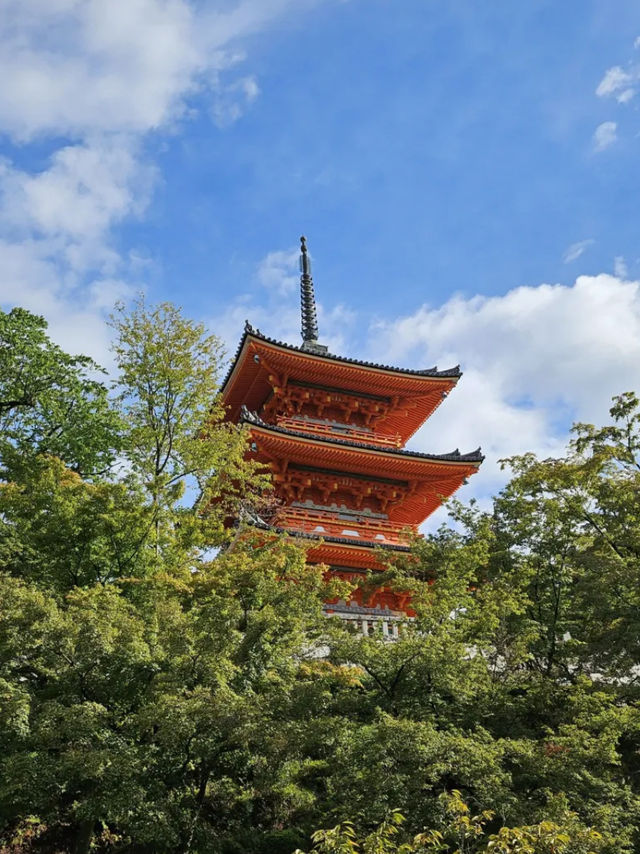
x=161 y=682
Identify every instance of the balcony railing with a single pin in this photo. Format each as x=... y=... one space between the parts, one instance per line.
x=356 y=528
x=341 y=431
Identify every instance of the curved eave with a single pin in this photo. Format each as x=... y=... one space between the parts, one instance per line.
x=340 y=551
x=346 y=542
x=255 y=334
x=347 y=555
x=431 y=478
x=357 y=449
x=344 y=552
x=247 y=380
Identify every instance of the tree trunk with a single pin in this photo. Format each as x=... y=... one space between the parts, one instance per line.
x=83 y=838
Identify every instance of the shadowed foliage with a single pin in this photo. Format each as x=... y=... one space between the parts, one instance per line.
x=168 y=682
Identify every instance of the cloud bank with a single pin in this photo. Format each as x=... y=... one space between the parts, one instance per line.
x=534 y=360
x=91 y=80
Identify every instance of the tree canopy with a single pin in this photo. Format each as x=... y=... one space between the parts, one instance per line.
x=168 y=682
x=51 y=402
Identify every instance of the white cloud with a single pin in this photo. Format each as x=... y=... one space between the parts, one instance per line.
x=605 y=135
x=620 y=83
x=535 y=359
x=31 y=276
x=89 y=66
x=100 y=75
x=278 y=271
x=55 y=227
x=615 y=80
x=81 y=67
x=573 y=252
x=86 y=189
x=625 y=96
x=620 y=267
x=231 y=101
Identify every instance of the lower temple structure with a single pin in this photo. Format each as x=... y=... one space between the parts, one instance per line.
x=333 y=432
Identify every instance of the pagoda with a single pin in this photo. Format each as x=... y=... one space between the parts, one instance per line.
x=333 y=432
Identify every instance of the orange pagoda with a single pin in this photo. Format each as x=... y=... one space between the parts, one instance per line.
x=333 y=431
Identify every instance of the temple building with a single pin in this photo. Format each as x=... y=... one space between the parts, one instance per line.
x=333 y=432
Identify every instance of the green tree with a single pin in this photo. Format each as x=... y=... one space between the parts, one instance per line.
x=62 y=529
x=51 y=402
x=139 y=678
x=175 y=434
x=149 y=716
x=62 y=532
x=571 y=528
x=461 y=832
x=168 y=682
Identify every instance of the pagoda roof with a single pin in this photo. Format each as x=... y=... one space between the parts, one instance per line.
x=261 y=363
x=347 y=552
x=476 y=457
x=327 y=538
x=337 y=551
x=249 y=330
x=427 y=479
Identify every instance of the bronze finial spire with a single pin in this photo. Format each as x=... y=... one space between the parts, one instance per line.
x=307 y=297
x=308 y=303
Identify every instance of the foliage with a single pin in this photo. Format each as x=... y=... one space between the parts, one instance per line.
x=168 y=682
x=168 y=395
x=139 y=715
x=460 y=832
x=62 y=531
x=51 y=402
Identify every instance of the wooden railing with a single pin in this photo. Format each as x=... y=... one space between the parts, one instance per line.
x=348 y=431
x=357 y=528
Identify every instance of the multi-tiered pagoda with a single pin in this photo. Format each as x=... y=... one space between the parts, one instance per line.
x=333 y=431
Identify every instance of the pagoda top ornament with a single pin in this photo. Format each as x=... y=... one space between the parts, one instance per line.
x=308 y=308
x=401 y=397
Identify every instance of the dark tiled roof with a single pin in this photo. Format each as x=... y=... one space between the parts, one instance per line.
x=476 y=456
x=454 y=373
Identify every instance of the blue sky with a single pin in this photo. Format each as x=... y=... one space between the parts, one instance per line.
x=466 y=174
